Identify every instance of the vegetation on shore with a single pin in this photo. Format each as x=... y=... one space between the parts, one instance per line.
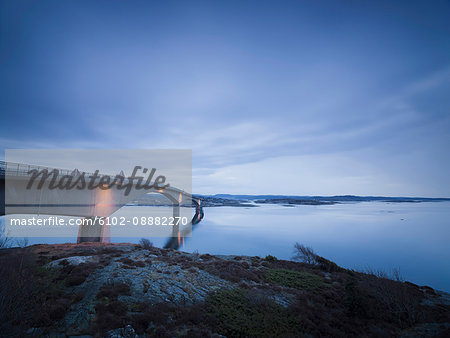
x=94 y=289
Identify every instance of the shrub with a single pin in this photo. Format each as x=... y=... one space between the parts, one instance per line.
x=307 y=255
x=354 y=301
x=304 y=254
x=158 y=314
x=113 y=291
x=22 y=243
x=146 y=243
x=270 y=258
x=327 y=265
x=15 y=288
x=110 y=312
x=110 y=316
x=78 y=274
x=231 y=270
x=380 y=273
x=398 y=302
x=75 y=280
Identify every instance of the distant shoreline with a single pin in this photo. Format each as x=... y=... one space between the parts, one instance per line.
x=254 y=200
x=251 y=201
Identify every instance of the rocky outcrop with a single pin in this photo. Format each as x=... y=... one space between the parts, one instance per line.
x=125 y=290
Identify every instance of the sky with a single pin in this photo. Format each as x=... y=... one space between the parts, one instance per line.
x=273 y=97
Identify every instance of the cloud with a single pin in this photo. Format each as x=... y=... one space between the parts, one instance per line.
x=238 y=87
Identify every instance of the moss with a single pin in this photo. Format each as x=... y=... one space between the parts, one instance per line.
x=295 y=279
x=242 y=313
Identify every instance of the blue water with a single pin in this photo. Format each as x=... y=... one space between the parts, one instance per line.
x=413 y=237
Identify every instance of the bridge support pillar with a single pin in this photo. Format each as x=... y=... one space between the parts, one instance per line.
x=93 y=231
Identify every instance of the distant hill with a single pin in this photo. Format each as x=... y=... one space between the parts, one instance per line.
x=243 y=200
x=343 y=198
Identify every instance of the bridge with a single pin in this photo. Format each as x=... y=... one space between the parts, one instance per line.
x=17 y=197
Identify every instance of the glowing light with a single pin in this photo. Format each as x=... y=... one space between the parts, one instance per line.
x=103 y=202
x=180 y=198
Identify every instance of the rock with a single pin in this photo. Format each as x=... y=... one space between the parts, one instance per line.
x=74 y=260
x=441 y=298
x=34 y=331
x=428 y=290
x=124 y=332
x=151 y=326
x=137 y=282
x=327 y=275
x=412 y=284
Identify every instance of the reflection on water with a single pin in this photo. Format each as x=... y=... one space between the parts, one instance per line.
x=176 y=243
x=411 y=236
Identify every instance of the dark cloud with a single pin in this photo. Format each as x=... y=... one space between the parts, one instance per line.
x=238 y=82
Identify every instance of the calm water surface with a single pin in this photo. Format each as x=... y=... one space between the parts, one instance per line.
x=413 y=237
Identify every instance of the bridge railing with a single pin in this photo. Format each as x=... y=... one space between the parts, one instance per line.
x=22 y=169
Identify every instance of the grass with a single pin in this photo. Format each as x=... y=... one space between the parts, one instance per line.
x=242 y=313
x=344 y=304
x=295 y=279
